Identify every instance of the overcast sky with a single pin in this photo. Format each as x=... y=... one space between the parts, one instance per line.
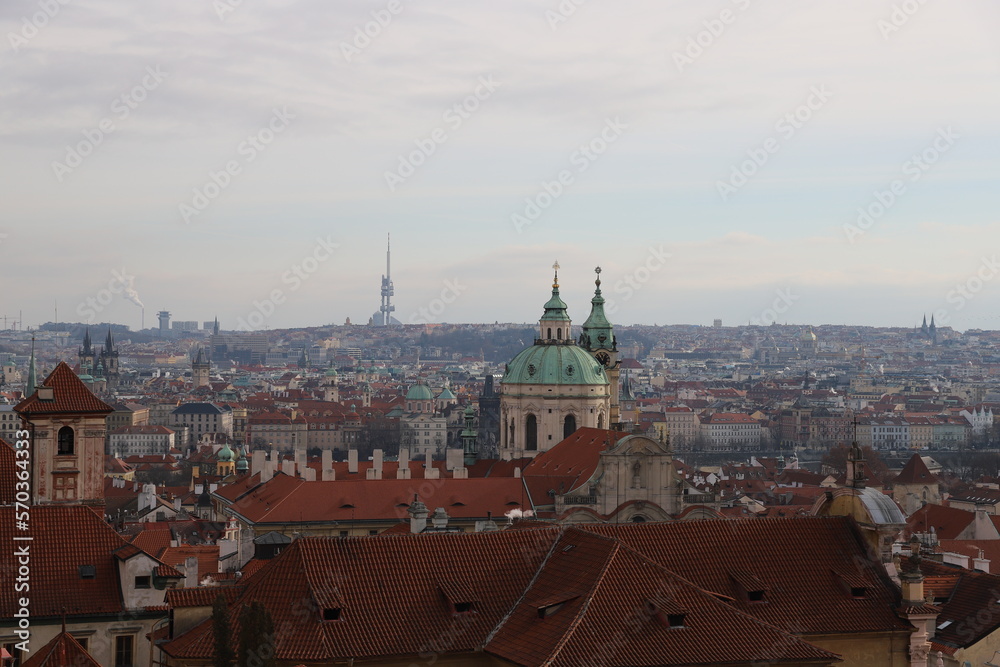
x=713 y=158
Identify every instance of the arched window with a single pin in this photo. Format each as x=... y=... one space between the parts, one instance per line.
x=66 y=441
x=548 y=332
x=600 y=420
x=569 y=425
x=638 y=518
x=531 y=433
x=559 y=333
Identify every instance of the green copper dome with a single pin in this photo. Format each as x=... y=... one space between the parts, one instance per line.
x=419 y=392
x=554 y=364
x=225 y=454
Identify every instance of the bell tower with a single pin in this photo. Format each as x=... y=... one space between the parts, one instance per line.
x=66 y=427
x=598 y=338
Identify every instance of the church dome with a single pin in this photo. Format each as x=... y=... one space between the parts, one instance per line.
x=419 y=392
x=555 y=364
x=225 y=454
x=808 y=336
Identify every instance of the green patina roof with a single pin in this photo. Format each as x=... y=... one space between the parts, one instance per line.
x=555 y=308
x=446 y=394
x=597 y=325
x=225 y=454
x=554 y=364
x=419 y=392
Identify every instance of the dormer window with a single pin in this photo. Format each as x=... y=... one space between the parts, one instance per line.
x=665 y=610
x=750 y=585
x=460 y=597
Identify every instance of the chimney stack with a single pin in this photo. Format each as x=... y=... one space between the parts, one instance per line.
x=403 y=472
x=418 y=516
x=352 y=461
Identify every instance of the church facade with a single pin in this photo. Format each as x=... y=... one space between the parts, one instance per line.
x=556 y=386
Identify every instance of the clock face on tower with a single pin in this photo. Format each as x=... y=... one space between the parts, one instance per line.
x=603 y=358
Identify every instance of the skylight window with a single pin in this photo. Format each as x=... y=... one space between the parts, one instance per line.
x=88 y=571
x=331 y=614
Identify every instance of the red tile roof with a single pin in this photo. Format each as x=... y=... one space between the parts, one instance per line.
x=387 y=588
x=207 y=555
x=806 y=597
x=915 y=472
x=70 y=395
x=8 y=472
x=285 y=499
x=396 y=594
x=62 y=650
x=970 y=605
x=612 y=606
x=56 y=582
x=947 y=522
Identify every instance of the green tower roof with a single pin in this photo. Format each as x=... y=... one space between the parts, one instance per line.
x=597 y=330
x=555 y=307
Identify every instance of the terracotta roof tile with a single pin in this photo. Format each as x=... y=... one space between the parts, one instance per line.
x=70 y=395
x=62 y=650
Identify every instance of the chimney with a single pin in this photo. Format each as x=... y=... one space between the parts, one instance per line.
x=257 y=461
x=982 y=564
x=352 y=461
x=403 y=472
x=288 y=467
x=430 y=472
x=912 y=579
x=418 y=516
x=266 y=471
x=300 y=460
x=309 y=474
x=377 y=463
x=454 y=458
x=326 y=460
x=191 y=572
x=517 y=473
x=439 y=519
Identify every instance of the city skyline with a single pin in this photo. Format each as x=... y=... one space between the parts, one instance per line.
x=720 y=157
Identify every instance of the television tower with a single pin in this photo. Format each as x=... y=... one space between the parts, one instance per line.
x=386 y=308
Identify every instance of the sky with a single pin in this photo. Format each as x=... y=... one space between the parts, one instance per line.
x=793 y=160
